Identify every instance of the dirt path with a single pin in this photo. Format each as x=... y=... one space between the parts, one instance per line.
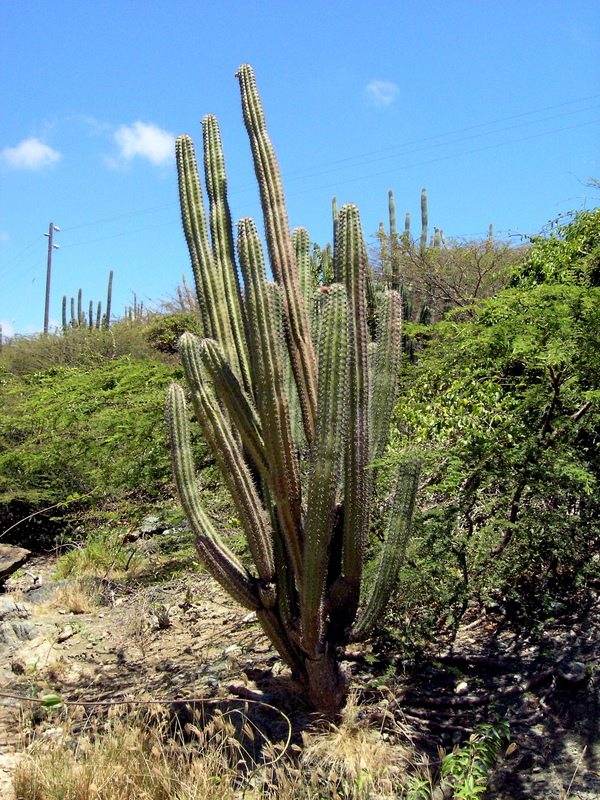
x=187 y=638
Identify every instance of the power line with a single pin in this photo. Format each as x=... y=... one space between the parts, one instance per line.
x=235 y=190
x=121 y=216
x=306 y=172
x=33 y=244
x=452 y=133
x=292 y=174
x=462 y=139
x=445 y=158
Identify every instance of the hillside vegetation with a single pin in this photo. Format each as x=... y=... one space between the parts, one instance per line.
x=82 y=430
x=501 y=400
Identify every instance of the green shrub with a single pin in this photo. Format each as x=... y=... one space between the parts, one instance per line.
x=506 y=410
x=95 y=430
x=163 y=333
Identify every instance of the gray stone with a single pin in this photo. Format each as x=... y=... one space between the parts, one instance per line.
x=11 y=558
x=45 y=593
x=9 y=609
x=15 y=627
x=14 y=632
x=152 y=524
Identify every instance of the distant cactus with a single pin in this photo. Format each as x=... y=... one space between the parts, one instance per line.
x=303 y=492
x=424 y=219
x=108 y=301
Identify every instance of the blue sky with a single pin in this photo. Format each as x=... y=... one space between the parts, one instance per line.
x=494 y=107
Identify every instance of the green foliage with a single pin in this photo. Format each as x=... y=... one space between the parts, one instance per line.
x=93 y=429
x=506 y=408
x=24 y=355
x=567 y=252
x=164 y=332
x=467 y=767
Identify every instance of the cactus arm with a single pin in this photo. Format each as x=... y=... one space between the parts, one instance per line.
x=233 y=468
x=271 y=398
x=327 y=453
x=217 y=558
x=223 y=248
x=384 y=255
x=209 y=283
x=392 y=213
x=335 y=212
x=280 y=248
x=301 y=242
x=278 y=635
x=394 y=244
x=193 y=218
x=386 y=370
x=394 y=547
x=351 y=259
x=241 y=411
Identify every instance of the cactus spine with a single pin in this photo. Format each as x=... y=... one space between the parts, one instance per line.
x=303 y=493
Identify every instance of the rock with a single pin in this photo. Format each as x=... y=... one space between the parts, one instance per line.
x=34 y=655
x=10 y=609
x=15 y=627
x=152 y=524
x=571 y=675
x=46 y=592
x=66 y=633
x=461 y=688
x=11 y=559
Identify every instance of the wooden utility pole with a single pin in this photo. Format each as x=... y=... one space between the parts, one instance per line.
x=51 y=247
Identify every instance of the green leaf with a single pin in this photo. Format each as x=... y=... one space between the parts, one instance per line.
x=51 y=701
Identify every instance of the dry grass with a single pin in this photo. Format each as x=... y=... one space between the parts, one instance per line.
x=139 y=758
x=127 y=760
x=78 y=597
x=355 y=760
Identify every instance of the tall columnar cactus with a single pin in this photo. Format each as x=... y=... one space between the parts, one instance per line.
x=395 y=278
x=294 y=396
x=108 y=300
x=424 y=219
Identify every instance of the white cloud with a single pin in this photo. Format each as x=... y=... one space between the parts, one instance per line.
x=145 y=141
x=30 y=154
x=382 y=93
x=7 y=328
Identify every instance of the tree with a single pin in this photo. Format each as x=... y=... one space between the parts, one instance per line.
x=506 y=405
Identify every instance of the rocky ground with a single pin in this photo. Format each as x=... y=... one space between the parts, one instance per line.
x=185 y=638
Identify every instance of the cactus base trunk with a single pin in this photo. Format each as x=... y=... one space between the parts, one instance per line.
x=327 y=684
